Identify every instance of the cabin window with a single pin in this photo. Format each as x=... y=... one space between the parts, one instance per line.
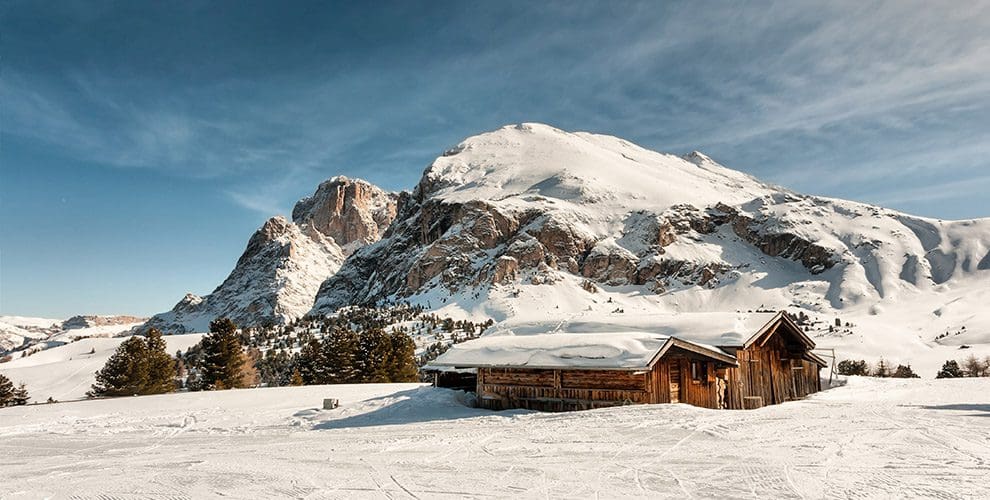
x=698 y=370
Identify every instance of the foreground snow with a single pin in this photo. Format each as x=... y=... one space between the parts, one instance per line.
x=871 y=438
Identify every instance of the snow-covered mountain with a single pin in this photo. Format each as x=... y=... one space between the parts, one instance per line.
x=529 y=222
x=31 y=334
x=533 y=203
x=532 y=220
x=277 y=277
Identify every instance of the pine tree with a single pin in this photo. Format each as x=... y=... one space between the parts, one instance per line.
x=374 y=351
x=222 y=356
x=6 y=391
x=249 y=370
x=340 y=352
x=125 y=373
x=853 y=367
x=161 y=366
x=904 y=371
x=312 y=363
x=950 y=370
x=296 y=378
x=20 y=396
x=402 y=365
x=882 y=371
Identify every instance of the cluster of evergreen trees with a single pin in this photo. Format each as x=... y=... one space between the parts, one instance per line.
x=139 y=366
x=882 y=369
x=344 y=356
x=10 y=395
x=970 y=367
x=356 y=345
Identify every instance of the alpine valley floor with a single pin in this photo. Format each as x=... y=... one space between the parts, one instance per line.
x=871 y=438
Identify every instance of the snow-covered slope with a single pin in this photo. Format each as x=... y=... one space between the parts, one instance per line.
x=28 y=335
x=529 y=219
x=66 y=371
x=869 y=439
x=16 y=331
x=277 y=277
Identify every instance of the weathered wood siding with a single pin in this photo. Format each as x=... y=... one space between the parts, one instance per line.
x=559 y=390
x=772 y=372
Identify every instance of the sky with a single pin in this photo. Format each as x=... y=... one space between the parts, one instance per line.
x=141 y=143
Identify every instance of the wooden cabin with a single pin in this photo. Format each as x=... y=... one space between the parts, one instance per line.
x=713 y=360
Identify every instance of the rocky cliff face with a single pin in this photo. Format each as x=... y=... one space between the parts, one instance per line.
x=276 y=278
x=351 y=211
x=530 y=204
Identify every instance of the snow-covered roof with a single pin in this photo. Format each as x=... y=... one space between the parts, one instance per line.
x=557 y=350
x=615 y=342
x=722 y=329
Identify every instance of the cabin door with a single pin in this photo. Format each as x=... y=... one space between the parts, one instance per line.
x=675 y=382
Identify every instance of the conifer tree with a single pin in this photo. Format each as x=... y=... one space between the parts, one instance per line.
x=374 y=351
x=20 y=396
x=904 y=371
x=296 y=378
x=340 y=351
x=6 y=391
x=125 y=373
x=249 y=370
x=882 y=371
x=161 y=366
x=312 y=363
x=223 y=356
x=853 y=367
x=950 y=370
x=402 y=365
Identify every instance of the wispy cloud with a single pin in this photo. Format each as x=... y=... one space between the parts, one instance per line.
x=779 y=88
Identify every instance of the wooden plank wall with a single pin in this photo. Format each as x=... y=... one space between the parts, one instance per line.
x=772 y=372
x=558 y=390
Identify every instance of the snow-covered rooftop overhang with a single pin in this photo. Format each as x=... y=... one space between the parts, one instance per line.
x=721 y=329
x=603 y=351
x=613 y=342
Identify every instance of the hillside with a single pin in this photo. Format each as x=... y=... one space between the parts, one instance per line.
x=21 y=336
x=66 y=371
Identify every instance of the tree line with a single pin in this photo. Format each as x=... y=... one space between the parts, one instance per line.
x=226 y=358
x=972 y=366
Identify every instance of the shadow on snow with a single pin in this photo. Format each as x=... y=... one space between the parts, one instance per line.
x=984 y=408
x=424 y=404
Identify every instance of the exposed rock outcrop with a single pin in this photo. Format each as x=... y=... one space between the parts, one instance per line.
x=351 y=211
x=284 y=263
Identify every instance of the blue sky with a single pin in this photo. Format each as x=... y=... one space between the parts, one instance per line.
x=141 y=143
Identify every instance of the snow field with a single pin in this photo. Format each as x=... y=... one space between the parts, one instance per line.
x=66 y=372
x=869 y=439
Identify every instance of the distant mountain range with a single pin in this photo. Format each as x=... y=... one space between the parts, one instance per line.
x=24 y=333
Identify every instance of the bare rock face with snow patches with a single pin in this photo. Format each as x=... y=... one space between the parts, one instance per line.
x=533 y=204
x=277 y=277
x=351 y=211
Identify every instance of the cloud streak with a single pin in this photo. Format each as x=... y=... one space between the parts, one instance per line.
x=777 y=88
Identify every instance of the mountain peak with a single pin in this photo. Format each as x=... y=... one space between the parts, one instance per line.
x=534 y=159
x=280 y=271
x=353 y=212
